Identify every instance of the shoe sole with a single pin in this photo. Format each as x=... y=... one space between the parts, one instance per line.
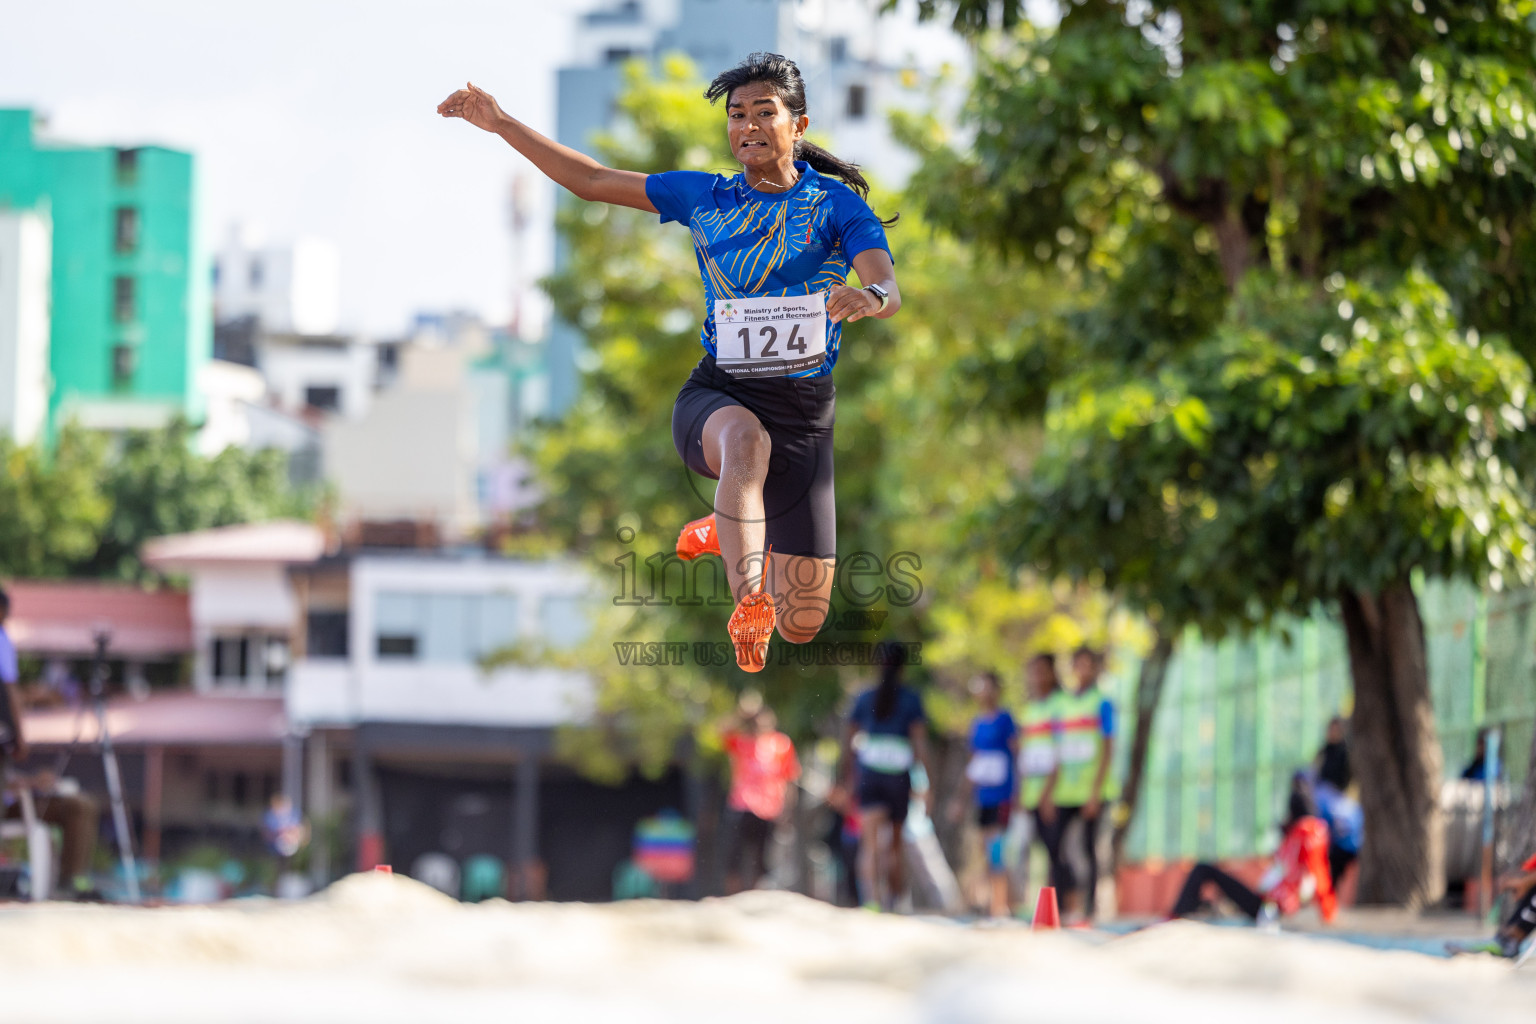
x=750 y=627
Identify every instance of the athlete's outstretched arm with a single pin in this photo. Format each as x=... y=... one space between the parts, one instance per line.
x=583 y=176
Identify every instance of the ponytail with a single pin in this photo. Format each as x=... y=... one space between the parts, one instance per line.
x=892 y=658
x=781 y=73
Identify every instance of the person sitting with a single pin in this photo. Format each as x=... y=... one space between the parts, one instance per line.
x=59 y=802
x=1346 y=828
x=1521 y=922
x=1477 y=769
x=1299 y=872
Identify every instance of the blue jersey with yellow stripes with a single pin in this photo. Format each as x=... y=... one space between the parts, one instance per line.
x=754 y=244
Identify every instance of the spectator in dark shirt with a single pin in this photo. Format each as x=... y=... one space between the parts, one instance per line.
x=1333 y=759
x=1477 y=769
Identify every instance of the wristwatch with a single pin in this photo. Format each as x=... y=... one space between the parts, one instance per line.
x=879 y=293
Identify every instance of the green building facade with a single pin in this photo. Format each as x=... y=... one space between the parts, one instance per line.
x=131 y=312
x=1237 y=717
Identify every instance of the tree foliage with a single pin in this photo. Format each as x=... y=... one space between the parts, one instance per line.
x=1305 y=227
x=86 y=507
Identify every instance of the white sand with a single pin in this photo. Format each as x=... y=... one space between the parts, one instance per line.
x=377 y=948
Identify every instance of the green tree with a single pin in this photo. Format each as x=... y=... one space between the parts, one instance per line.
x=53 y=511
x=1307 y=229
x=157 y=484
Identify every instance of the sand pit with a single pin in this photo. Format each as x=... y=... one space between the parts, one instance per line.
x=377 y=948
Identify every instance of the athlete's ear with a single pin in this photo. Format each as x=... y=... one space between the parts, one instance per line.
x=801 y=124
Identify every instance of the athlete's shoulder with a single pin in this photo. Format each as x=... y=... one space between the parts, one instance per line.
x=676 y=194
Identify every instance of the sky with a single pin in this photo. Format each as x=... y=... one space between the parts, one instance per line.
x=317 y=117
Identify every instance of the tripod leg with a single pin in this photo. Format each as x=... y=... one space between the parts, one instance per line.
x=119 y=811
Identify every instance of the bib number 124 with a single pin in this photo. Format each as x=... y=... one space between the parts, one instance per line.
x=772 y=336
x=767 y=338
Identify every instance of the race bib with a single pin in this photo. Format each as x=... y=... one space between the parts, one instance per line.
x=1079 y=749
x=771 y=337
x=988 y=768
x=889 y=755
x=1036 y=761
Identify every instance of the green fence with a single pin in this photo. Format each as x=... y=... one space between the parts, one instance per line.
x=1237 y=717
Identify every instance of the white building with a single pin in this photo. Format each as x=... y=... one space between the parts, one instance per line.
x=401 y=638
x=324 y=372
x=413 y=455
x=26 y=274
x=451 y=758
x=244 y=610
x=293 y=288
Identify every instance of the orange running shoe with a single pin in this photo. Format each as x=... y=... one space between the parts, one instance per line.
x=750 y=627
x=698 y=538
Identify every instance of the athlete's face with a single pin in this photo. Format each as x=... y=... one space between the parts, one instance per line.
x=761 y=130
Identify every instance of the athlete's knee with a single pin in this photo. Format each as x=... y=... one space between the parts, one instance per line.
x=745 y=443
x=801 y=625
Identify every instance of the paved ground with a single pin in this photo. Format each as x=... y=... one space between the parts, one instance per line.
x=379 y=948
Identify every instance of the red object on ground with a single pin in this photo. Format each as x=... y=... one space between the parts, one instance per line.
x=384 y=869
x=1047 y=913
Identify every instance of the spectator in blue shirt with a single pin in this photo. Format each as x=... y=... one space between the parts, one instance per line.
x=989 y=783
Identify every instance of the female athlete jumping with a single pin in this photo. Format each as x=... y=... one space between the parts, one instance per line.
x=774 y=244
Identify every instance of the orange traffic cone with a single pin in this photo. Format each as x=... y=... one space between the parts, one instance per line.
x=1047 y=915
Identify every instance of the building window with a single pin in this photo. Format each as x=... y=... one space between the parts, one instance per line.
x=563 y=623
x=122 y=298
x=858 y=101
x=327 y=399
x=397 y=646
x=276 y=662
x=127 y=166
x=443 y=628
x=256 y=273
x=327 y=634
x=125 y=232
x=123 y=359
x=837 y=49
x=231 y=658
x=617 y=54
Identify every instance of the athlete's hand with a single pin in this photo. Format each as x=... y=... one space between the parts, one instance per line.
x=1047 y=812
x=474 y=105
x=1091 y=809
x=850 y=304
x=956 y=811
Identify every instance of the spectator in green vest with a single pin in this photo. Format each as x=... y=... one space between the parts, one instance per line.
x=1085 y=748
x=1038 y=729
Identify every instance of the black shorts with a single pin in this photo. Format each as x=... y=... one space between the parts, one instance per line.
x=890 y=793
x=798 y=414
x=993 y=815
x=747 y=848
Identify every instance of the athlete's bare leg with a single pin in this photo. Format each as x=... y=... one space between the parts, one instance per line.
x=802 y=592
x=896 y=867
x=872 y=822
x=736 y=449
